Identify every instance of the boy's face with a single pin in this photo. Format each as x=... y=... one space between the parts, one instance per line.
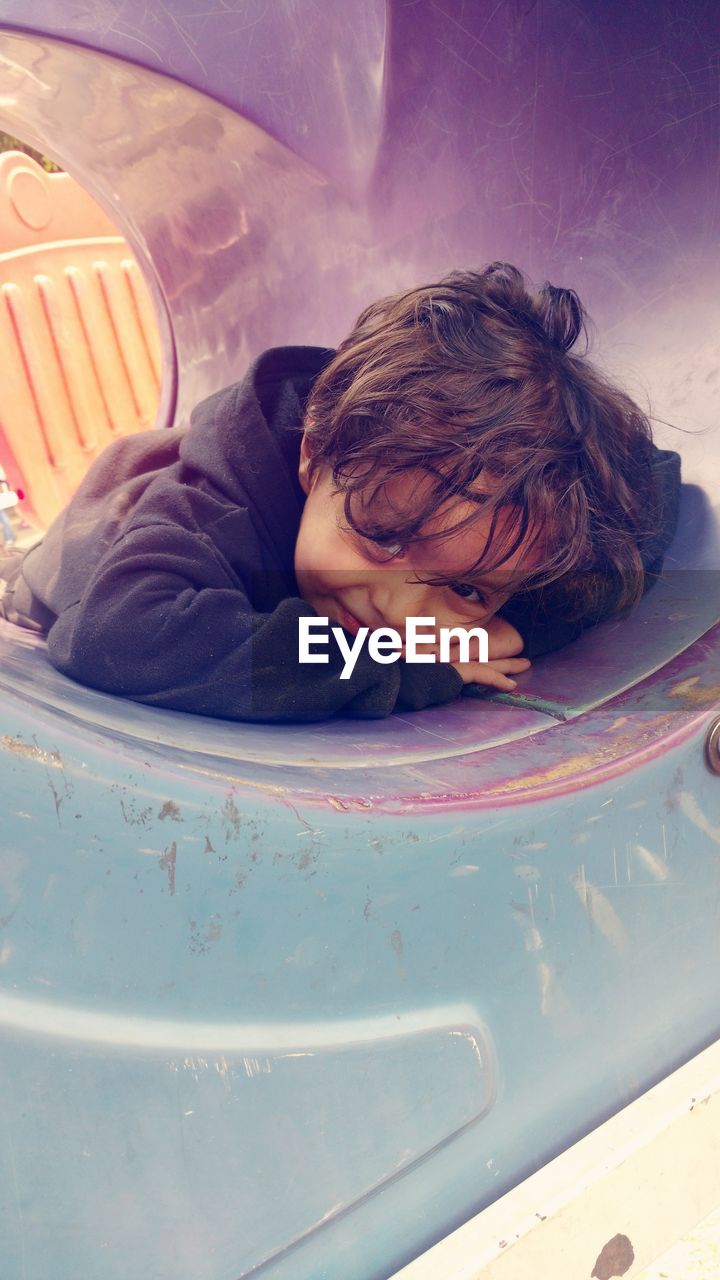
x=356 y=582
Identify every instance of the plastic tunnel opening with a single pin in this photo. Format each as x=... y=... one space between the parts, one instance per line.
x=598 y=181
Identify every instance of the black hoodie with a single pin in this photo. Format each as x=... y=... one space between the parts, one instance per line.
x=169 y=577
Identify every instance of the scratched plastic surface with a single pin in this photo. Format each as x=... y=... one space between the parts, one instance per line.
x=294 y=1002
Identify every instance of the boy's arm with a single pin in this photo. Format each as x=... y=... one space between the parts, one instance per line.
x=163 y=621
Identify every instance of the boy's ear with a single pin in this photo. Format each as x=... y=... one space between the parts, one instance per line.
x=306 y=480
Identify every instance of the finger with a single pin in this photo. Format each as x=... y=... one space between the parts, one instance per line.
x=496 y=649
x=510 y=665
x=481 y=673
x=496 y=679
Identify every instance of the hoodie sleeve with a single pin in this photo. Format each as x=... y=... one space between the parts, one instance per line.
x=184 y=597
x=543 y=629
x=164 y=621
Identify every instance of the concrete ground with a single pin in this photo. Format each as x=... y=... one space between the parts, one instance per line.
x=695 y=1257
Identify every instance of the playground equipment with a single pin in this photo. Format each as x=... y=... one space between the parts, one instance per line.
x=81 y=357
x=298 y=1002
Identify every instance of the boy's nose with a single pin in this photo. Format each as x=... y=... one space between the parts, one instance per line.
x=396 y=600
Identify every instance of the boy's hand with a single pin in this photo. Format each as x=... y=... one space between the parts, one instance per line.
x=496 y=674
x=504 y=641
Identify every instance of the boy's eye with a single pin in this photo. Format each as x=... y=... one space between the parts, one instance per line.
x=385 y=550
x=468 y=592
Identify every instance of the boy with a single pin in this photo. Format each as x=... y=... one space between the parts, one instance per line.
x=452 y=460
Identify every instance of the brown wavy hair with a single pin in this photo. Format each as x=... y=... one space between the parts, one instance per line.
x=476 y=373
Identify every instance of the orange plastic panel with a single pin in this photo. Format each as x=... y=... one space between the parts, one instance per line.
x=80 y=347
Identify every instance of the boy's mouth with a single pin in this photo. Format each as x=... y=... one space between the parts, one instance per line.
x=349 y=622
